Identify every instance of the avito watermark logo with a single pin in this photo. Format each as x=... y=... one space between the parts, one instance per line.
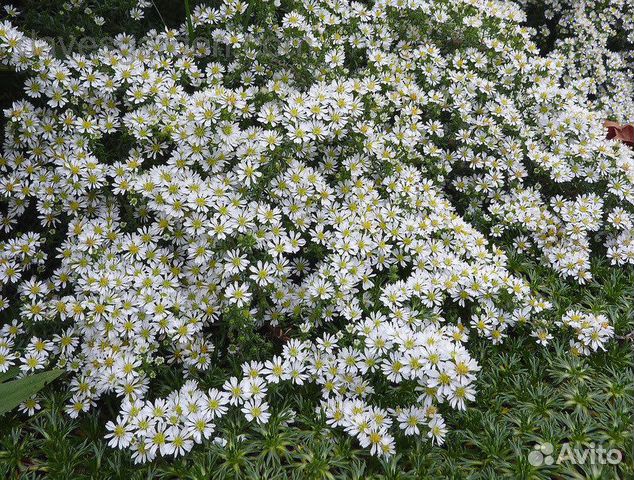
x=544 y=454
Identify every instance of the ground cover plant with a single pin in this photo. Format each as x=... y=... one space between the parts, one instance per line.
x=317 y=239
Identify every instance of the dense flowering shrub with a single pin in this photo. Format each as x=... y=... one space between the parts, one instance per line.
x=356 y=172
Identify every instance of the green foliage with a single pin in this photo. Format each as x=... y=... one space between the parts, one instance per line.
x=14 y=392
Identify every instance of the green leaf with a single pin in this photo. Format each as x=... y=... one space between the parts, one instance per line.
x=190 y=26
x=16 y=391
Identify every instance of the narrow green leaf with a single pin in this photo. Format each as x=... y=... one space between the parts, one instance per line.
x=190 y=26
x=16 y=391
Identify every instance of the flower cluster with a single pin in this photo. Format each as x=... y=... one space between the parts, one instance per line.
x=433 y=357
x=341 y=168
x=595 y=39
x=592 y=331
